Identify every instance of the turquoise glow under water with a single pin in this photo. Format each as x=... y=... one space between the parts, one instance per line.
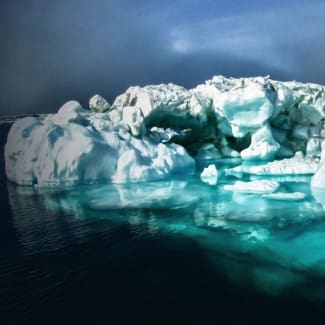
x=274 y=246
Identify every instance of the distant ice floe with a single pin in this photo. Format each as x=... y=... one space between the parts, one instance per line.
x=154 y=132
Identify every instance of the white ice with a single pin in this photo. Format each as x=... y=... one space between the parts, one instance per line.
x=209 y=175
x=284 y=196
x=148 y=133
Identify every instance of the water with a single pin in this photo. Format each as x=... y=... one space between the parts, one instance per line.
x=178 y=251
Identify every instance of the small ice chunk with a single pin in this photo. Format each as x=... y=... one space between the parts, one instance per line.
x=99 y=104
x=283 y=196
x=255 y=187
x=162 y=135
x=210 y=175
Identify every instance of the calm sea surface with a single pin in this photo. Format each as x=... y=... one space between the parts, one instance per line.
x=174 y=252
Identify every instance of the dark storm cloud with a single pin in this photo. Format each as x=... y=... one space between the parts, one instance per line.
x=286 y=39
x=56 y=51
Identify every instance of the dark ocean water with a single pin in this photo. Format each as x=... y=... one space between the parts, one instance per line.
x=177 y=252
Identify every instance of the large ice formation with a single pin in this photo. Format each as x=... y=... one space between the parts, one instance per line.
x=153 y=132
x=75 y=146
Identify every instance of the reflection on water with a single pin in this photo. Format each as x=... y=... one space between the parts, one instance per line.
x=274 y=246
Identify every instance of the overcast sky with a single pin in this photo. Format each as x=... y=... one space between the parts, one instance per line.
x=53 y=51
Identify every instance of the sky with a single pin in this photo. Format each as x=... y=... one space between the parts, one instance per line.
x=54 y=51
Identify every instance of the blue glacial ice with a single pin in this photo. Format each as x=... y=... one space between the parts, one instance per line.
x=276 y=248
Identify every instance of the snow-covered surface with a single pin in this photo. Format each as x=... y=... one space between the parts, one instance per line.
x=257 y=187
x=75 y=146
x=149 y=133
x=210 y=175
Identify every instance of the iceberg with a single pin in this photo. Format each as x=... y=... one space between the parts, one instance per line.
x=210 y=175
x=158 y=131
x=99 y=104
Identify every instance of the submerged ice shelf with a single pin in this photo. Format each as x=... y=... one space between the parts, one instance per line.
x=156 y=132
x=277 y=248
